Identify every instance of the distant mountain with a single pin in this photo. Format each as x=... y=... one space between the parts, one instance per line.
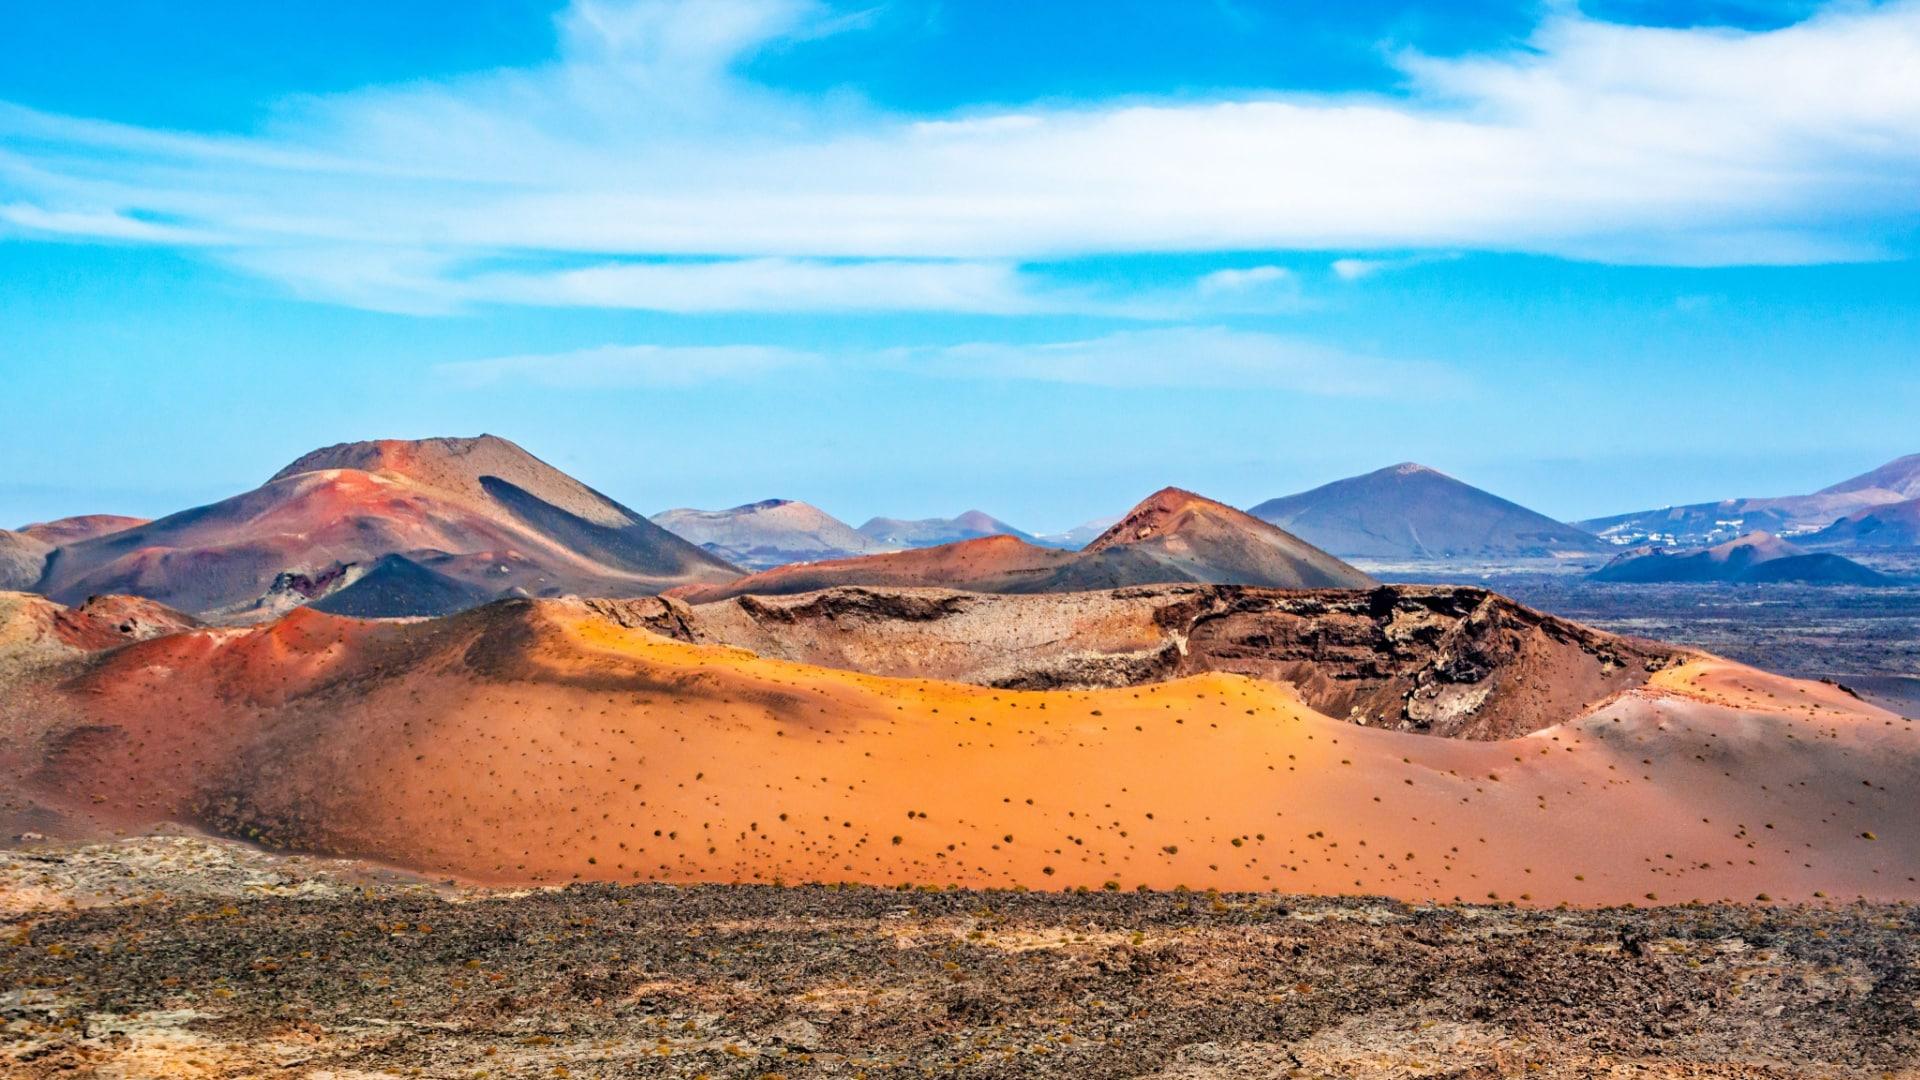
x=990 y=564
x=72 y=530
x=1893 y=525
x=515 y=523
x=1174 y=536
x=1409 y=511
x=1901 y=477
x=1197 y=539
x=23 y=559
x=769 y=533
x=1816 y=568
x=932 y=532
x=1079 y=536
x=1751 y=559
x=24 y=551
x=1792 y=515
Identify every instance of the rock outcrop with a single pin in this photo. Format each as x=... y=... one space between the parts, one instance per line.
x=1452 y=661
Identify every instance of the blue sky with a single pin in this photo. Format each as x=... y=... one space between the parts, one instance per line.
x=911 y=257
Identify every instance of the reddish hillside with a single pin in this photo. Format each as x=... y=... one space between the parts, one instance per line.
x=526 y=525
x=462 y=468
x=72 y=530
x=989 y=564
x=1174 y=536
x=537 y=742
x=35 y=630
x=1196 y=539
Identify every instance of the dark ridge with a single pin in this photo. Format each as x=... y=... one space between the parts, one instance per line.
x=397 y=587
x=1820 y=568
x=642 y=547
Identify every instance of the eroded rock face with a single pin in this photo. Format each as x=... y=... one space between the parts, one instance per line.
x=1452 y=661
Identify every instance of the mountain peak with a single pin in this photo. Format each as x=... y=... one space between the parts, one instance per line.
x=771 y=532
x=1413 y=511
x=403 y=456
x=477 y=510
x=1165 y=511
x=1206 y=540
x=461 y=466
x=932 y=532
x=1900 y=476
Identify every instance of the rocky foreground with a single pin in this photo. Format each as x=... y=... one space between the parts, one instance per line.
x=177 y=957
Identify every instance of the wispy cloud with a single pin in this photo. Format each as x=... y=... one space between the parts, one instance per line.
x=1173 y=358
x=613 y=366
x=98 y=225
x=640 y=142
x=432 y=282
x=1352 y=269
x=1252 y=279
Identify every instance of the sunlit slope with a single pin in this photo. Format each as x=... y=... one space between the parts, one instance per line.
x=482 y=511
x=532 y=742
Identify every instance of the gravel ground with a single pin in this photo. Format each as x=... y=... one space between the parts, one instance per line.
x=243 y=967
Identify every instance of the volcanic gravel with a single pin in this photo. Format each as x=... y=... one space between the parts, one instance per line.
x=377 y=979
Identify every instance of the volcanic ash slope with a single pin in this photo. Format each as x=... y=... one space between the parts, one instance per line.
x=537 y=742
x=480 y=510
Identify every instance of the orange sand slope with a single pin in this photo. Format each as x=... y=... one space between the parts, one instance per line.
x=533 y=742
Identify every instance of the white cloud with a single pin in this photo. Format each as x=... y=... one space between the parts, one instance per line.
x=98 y=225
x=1356 y=269
x=423 y=282
x=769 y=285
x=640 y=142
x=1186 y=357
x=1248 y=280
